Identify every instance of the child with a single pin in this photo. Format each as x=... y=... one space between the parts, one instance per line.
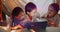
x=17 y=18
x=52 y=14
x=30 y=10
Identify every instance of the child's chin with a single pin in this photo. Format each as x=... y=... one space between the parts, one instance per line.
x=49 y=16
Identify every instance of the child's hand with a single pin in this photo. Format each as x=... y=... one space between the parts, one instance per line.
x=32 y=30
x=51 y=22
x=16 y=27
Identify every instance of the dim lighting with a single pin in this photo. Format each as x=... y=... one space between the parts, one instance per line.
x=3 y=0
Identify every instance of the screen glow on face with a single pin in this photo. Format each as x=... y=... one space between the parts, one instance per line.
x=33 y=12
x=51 y=12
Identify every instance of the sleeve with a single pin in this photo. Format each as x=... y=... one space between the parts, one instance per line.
x=59 y=21
x=37 y=15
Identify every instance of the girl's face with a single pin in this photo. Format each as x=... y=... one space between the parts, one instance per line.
x=51 y=12
x=33 y=12
x=20 y=16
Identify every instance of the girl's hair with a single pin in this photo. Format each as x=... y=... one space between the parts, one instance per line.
x=29 y=7
x=16 y=11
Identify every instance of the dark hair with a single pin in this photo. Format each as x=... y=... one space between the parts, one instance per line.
x=16 y=11
x=55 y=6
x=29 y=7
x=3 y=16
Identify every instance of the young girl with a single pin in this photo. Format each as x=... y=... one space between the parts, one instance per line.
x=17 y=18
x=30 y=10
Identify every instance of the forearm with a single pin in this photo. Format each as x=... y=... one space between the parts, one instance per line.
x=16 y=27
